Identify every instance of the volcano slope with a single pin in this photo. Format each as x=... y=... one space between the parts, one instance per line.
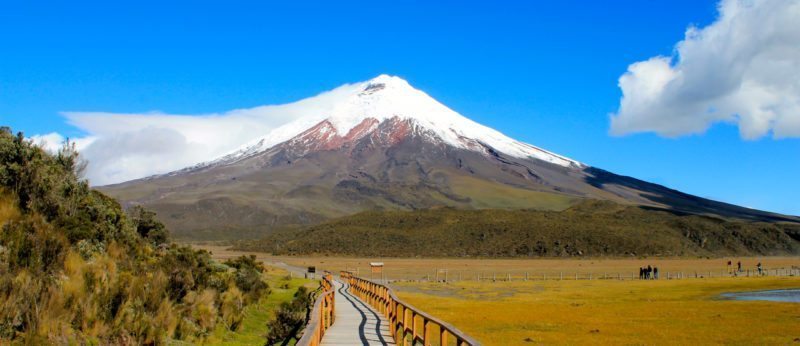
x=382 y=145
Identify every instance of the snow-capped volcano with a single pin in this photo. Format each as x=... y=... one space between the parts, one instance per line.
x=382 y=145
x=351 y=111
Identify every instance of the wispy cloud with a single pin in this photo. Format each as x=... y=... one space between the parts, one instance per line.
x=744 y=69
x=122 y=147
x=54 y=141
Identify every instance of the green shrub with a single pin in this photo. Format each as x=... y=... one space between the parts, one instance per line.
x=289 y=318
x=249 y=276
x=76 y=269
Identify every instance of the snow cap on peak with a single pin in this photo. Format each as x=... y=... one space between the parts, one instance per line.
x=388 y=79
x=385 y=97
x=383 y=82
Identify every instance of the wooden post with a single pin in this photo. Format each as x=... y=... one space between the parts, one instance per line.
x=561 y=276
x=413 y=327
x=426 y=337
x=442 y=335
x=526 y=276
x=405 y=323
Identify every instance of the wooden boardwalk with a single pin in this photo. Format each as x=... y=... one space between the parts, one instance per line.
x=356 y=323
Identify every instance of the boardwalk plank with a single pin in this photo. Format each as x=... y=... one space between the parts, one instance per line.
x=356 y=322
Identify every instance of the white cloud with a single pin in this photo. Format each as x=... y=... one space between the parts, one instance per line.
x=743 y=69
x=50 y=142
x=53 y=141
x=122 y=147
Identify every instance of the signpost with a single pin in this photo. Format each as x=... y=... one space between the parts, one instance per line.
x=312 y=270
x=376 y=268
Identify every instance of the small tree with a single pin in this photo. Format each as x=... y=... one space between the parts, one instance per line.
x=289 y=318
x=148 y=226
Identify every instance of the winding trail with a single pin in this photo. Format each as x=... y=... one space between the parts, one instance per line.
x=356 y=322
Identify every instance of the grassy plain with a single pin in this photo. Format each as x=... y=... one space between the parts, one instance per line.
x=468 y=269
x=636 y=312
x=630 y=312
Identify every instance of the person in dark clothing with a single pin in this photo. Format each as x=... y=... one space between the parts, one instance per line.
x=649 y=272
x=759 y=268
x=641 y=273
x=655 y=273
x=739 y=266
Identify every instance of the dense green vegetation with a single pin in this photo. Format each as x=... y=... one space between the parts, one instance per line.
x=264 y=313
x=290 y=317
x=591 y=228
x=75 y=268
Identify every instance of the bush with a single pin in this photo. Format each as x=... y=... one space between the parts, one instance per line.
x=249 y=276
x=76 y=269
x=289 y=318
x=148 y=227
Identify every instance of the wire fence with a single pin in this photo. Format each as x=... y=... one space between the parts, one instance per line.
x=444 y=275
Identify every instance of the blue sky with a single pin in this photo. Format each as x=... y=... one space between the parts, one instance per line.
x=541 y=72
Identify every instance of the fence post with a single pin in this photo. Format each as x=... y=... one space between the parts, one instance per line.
x=526 y=276
x=426 y=337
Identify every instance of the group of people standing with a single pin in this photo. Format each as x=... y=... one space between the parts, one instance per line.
x=739 y=268
x=648 y=273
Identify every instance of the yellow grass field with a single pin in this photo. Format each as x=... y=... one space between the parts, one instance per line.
x=678 y=312
x=628 y=312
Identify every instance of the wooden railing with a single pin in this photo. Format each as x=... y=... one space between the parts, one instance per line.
x=407 y=324
x=322 y=315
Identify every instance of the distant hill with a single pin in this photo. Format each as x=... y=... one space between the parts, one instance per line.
x=590 y=228
x=383 y=145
